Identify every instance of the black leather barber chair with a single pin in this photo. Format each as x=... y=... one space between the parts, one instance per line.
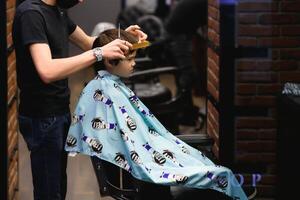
x=120 y=185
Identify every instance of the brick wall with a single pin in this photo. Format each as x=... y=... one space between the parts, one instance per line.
x=12 y=107
x=269 y=31
x=275 y=27
x=213 y=72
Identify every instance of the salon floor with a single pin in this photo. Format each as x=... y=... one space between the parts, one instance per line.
x=82 y=183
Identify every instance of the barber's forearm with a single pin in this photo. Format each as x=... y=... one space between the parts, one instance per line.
x=92 y=39
x=81 y=39
x=55 y=69
x=58 y=69
x=87 y=44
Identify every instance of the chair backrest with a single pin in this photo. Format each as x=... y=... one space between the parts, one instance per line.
x=102 y=26
x=129 y=16
x=153 y=26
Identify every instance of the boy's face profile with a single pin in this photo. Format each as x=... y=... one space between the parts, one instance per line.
x=125 y=67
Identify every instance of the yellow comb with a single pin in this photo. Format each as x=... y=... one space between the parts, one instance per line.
x=140 y=45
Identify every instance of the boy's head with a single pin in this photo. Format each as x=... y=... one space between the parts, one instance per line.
x=118 y=67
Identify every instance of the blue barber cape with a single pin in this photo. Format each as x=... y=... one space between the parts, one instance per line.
x=110 y=122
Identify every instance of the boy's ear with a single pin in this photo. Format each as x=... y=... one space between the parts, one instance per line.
x=108 y=63
x=114 y=62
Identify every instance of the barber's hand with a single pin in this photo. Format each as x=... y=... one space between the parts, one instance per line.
x=136 y=30
x=116 y=49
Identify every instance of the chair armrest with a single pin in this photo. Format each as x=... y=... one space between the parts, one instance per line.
x=142 y=60
x=155 y=71
x=143 y=63
x=197 y=139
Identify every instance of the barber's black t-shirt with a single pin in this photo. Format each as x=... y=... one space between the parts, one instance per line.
x=37 y=22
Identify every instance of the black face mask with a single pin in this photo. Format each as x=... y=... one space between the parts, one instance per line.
x=66 y=4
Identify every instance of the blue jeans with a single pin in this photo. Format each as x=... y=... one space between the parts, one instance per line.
x=45 y=138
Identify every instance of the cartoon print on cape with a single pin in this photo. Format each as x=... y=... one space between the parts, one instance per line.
x=110 y=122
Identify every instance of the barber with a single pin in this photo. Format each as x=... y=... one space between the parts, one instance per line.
x=41 y=32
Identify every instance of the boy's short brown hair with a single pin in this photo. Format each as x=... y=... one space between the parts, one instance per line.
x=108 y=36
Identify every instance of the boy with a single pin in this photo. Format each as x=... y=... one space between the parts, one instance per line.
x=110 y=122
